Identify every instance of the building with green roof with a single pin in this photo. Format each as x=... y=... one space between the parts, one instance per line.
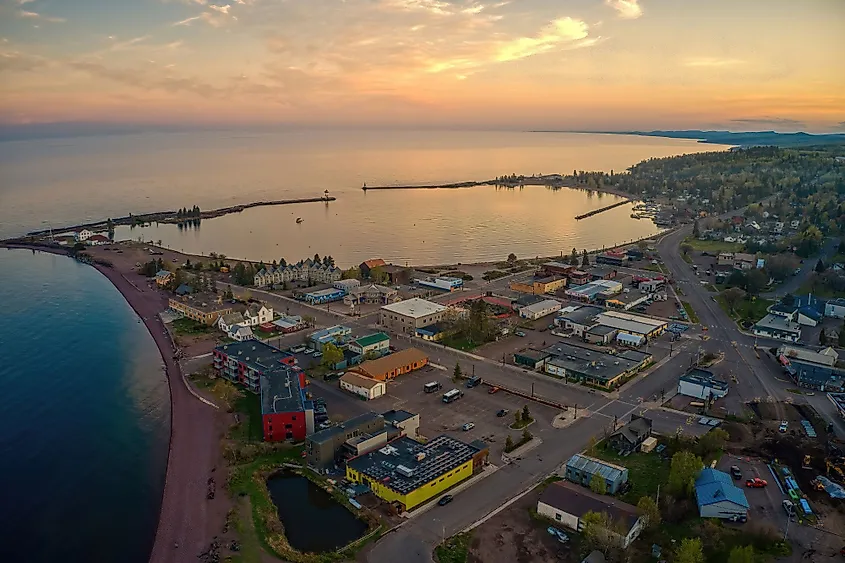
x=372 y=345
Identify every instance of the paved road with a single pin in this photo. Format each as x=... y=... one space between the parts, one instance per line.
x=792 y=284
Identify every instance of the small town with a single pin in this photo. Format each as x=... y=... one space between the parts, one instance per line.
x=687 y=385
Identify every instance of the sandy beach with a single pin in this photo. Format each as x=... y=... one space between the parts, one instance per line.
x=188 y=521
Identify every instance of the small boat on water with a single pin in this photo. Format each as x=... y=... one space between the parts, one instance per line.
x=299 y=220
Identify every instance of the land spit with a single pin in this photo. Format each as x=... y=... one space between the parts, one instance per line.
x=173 y=217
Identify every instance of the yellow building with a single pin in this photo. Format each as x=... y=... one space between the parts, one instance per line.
x=205 y=309
x=408 y=473
x=539 y=286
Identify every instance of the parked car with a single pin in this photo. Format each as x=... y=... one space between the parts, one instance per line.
x=444 y=500
x=308 y=351
x=324 y=425
x=788 y=507
x=503 y=412
x=519 y=333
x=554 y=532
x=784 y=424
x=318 y=354
x=493 y=390
x=468 y=426
x=739 y=518
x=735 y=472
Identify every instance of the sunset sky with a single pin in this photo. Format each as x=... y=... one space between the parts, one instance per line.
x=566 y=64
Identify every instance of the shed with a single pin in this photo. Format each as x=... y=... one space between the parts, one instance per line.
x=648 y=445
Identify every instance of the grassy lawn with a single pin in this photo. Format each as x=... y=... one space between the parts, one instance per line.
x=711 y=288
x=693 y=317
x=746 y=310
x=185 y=326
x=687 y=258
x=454 y=549
x=249 y=406
x=645 y=471
x=713 y=245
x=653 y=268
x=491 y=275
x=521 y=423
x=460 y=342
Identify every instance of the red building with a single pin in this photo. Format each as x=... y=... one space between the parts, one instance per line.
x=287 y=415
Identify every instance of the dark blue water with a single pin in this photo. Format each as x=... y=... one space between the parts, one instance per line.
x=84 y=413
x=314 y=522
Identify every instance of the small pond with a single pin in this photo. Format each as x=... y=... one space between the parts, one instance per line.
x=314 y=522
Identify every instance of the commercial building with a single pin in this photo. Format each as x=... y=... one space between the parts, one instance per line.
x=568 y=504
x=323 y=448
x=579 y=320
x=590 y=291
x=623 y=301
x=368 y=265
x=539 y=310
x=602 y=273
x=202 y=308
x=441 y=282
x=321 y=296
x=526 y=300
x=371 y=346
x=632 y=324
x=336 y=335
x=629 y=438
x=408 y=473
x=539 y=286
x=393 y=365
x=245 y=362
x=346 y=285
x=778 y=327
x=364 y=387
x=533 y=359
x=718 y=497
x=556 y=268
x=581 y=469
x=612 y=258
x=586 y=365
x=632 y=340
x=406 y=422
x=600 y=334
x=372 y=294
x=286 y=414
x=409 y=315
x=701 y=384
x=820 y=370
x=579 y=277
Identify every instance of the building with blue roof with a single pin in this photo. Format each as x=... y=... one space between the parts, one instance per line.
x=718 y=497
x=581 y=469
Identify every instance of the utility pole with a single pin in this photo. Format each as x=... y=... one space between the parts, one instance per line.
x=576 y=411
x=532 y=389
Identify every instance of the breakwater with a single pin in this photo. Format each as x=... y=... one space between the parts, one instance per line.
x=602 y=209
x=512 y=181
x=173 y=216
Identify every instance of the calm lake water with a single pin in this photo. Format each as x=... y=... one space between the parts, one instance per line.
x=85 y=416
x=65 y=181
x=314 y=522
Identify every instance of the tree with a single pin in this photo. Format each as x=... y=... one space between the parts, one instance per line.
x=316 y=258
x=682 y=473
x=740 y=554
x=573 y=259
x=842 y=336
x=820 y=266
x=601 y=531
x=517 y=418
x=736 y=279
x=781 y=266
x=457 y=374
x=822 y=338
x=331 y=355
x=712 y=442
x=526 y=436
x=598 y=485
x=648 y=509
x=526 y=414
x=733 y=296
x=696 y=229
x=755 y=281
x=686 y=248
x=378 y=275
x=228 y=293
x=689 y=551
x=508 y=443
x=585 y=258
x=353 y=273
x=511 y=258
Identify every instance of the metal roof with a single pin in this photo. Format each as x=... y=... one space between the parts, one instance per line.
x=415 y=308
x=593 y=466
x=714 y=486
x=371 y=339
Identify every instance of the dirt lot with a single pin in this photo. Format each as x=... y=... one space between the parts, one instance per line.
x=512 y=536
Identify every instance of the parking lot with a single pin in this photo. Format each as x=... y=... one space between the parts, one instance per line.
x=765 y=503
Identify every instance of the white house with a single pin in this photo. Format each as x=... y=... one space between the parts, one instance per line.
x=835 y=308
x=539 y=310
x=227 y=321
x=98 y=240
x=346 y=285
x=364 y=387
x=258 y=314
x=82 y=235
x=701 y=384
x=567 y=503
x=372 y=345
x=240 y=333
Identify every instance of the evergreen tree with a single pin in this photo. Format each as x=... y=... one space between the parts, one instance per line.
x=457 y=374
x=585 y=258
x=573 y=259
x=696 y=229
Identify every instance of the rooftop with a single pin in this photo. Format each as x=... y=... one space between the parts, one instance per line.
x=636 y=429
x=360 y=380
x=714 y=486
x=536 y=355
x=328 y=291
x=330 y=331
x=634 y=356
x=543 y=305
x=548 y=279
x=557 y=265
x=601 y=330
x=371 y=339
x=826 y=357
x=593 y=466
x=638 y=318
x=375 y=263
x=405 y=465
x=582 y=315
x=703 y=377
x=397 y=416
x=255 y=354
x=644 y=326
x=280 y=391
x=432 y=330
x=341 y=429
x=526 y=300
x=588 y=362
x=774 y=322
x=578 y=501
x=415 y=308
x=595 y=287
x=392 y=361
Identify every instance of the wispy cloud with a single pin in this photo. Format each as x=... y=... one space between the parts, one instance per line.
x=188 y=21
x=36 y=16
x=713 y=62
x=220 y=9
x=563 y=32
x=627 y=9
x=432 y=6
